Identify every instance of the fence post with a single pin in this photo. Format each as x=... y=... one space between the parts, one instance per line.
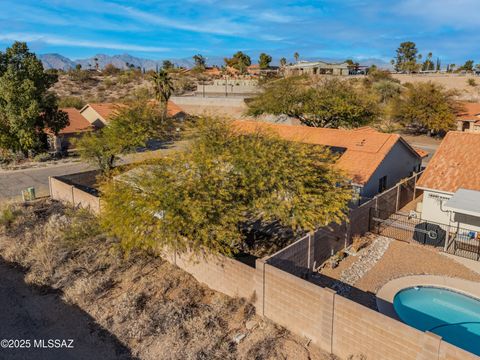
x=73 y=196
x=309 y=250
x=398 y=197
x=414 y=186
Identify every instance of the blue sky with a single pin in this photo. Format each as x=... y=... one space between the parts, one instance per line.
x=176 y=29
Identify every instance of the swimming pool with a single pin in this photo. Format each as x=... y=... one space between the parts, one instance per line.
x=453 y=316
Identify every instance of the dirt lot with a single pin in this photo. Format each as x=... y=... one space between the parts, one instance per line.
x=120 y=305
x=450 y=81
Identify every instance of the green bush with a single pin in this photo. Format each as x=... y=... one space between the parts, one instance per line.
x=472 y=82
x=71 y=101
x=7 y=216
x=42 y=157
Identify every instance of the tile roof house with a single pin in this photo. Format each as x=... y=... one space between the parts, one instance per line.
x=374 y=161
x=468 y=119
x=99 y=114
x=453 y=172
x=77 y=126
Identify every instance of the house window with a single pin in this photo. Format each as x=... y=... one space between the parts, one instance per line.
x=382 y=184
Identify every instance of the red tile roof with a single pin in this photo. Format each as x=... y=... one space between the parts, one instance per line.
x=105 y=110
x=173 y=109
x=365 y=148
x=455 y=164
x=77 y=122
x=470 y=112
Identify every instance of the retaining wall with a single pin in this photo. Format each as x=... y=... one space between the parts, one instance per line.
x=64 y=191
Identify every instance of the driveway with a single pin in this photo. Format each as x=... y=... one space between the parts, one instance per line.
x=423 y=142
x=38 y=314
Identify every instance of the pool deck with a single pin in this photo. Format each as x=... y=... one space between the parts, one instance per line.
x=388 y=291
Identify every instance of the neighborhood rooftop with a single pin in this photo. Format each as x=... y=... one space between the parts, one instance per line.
x=455 y=165
x=365 y=148
x=77 y=123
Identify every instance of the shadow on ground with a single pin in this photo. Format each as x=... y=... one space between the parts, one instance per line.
x=38 y=313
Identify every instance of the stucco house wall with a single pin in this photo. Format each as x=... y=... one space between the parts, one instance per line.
x=399 y=163
x=433 y=210
x=93 y=117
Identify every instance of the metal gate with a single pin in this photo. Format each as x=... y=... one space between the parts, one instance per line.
x=409 y=228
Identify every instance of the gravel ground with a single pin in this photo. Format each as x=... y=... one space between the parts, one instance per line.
x=362 y=276
x=402 y=259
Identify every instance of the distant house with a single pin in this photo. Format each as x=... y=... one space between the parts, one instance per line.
x=468 y=120
x=213 y=71
x=317 y=68
x=374 y=161
x=451 y=182
x=77 y=126
x=99 y=114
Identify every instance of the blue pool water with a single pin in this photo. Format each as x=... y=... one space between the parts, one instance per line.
x=453 y=316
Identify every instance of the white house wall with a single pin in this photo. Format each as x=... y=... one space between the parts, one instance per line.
x=434 y=202
x=92 y=116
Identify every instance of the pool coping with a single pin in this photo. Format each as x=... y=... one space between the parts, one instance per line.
x=387 y=292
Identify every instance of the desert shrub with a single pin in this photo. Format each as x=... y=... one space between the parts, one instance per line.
x=8 y=215
x=472 y=82
x=108 y=83
x=110 y=69
x=79 y=75
x=42 y=157
x=71 y=101
x=82 y=226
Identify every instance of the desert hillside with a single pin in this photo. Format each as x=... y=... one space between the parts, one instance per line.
x=468 y=86
x=139 y=306
x=89 y=86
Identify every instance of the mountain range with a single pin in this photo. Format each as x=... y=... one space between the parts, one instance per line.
x=57 y=61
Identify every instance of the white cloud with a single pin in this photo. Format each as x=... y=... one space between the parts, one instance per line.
x=55 y=40
x=219 y=26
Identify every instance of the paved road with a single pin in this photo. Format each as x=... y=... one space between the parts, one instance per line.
x=39 y=314
x=13 y=182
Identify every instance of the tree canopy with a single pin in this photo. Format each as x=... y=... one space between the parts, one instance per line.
x=427 y=106
x=239 y=61
x=264 y=61
x=406 y=58
x=196 y=200
x=129 y=128
x=27 y=107
x=200 y=61
x=162 y=85
x=328 y=103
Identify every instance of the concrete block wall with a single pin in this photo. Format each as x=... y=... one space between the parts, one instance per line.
x=220 y=273
x=300 y=306
x=359 y=330
x=64 y=192
x=342 y=326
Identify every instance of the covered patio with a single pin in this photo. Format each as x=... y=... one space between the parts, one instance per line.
x=464 y=208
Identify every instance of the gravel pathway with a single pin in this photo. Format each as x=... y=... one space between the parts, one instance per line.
x=366 y=260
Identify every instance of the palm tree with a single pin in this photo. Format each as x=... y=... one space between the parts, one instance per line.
x=296 y=56
x=163 y=87
x=283 y=62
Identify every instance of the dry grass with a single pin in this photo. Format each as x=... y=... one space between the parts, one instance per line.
x=155 y=309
